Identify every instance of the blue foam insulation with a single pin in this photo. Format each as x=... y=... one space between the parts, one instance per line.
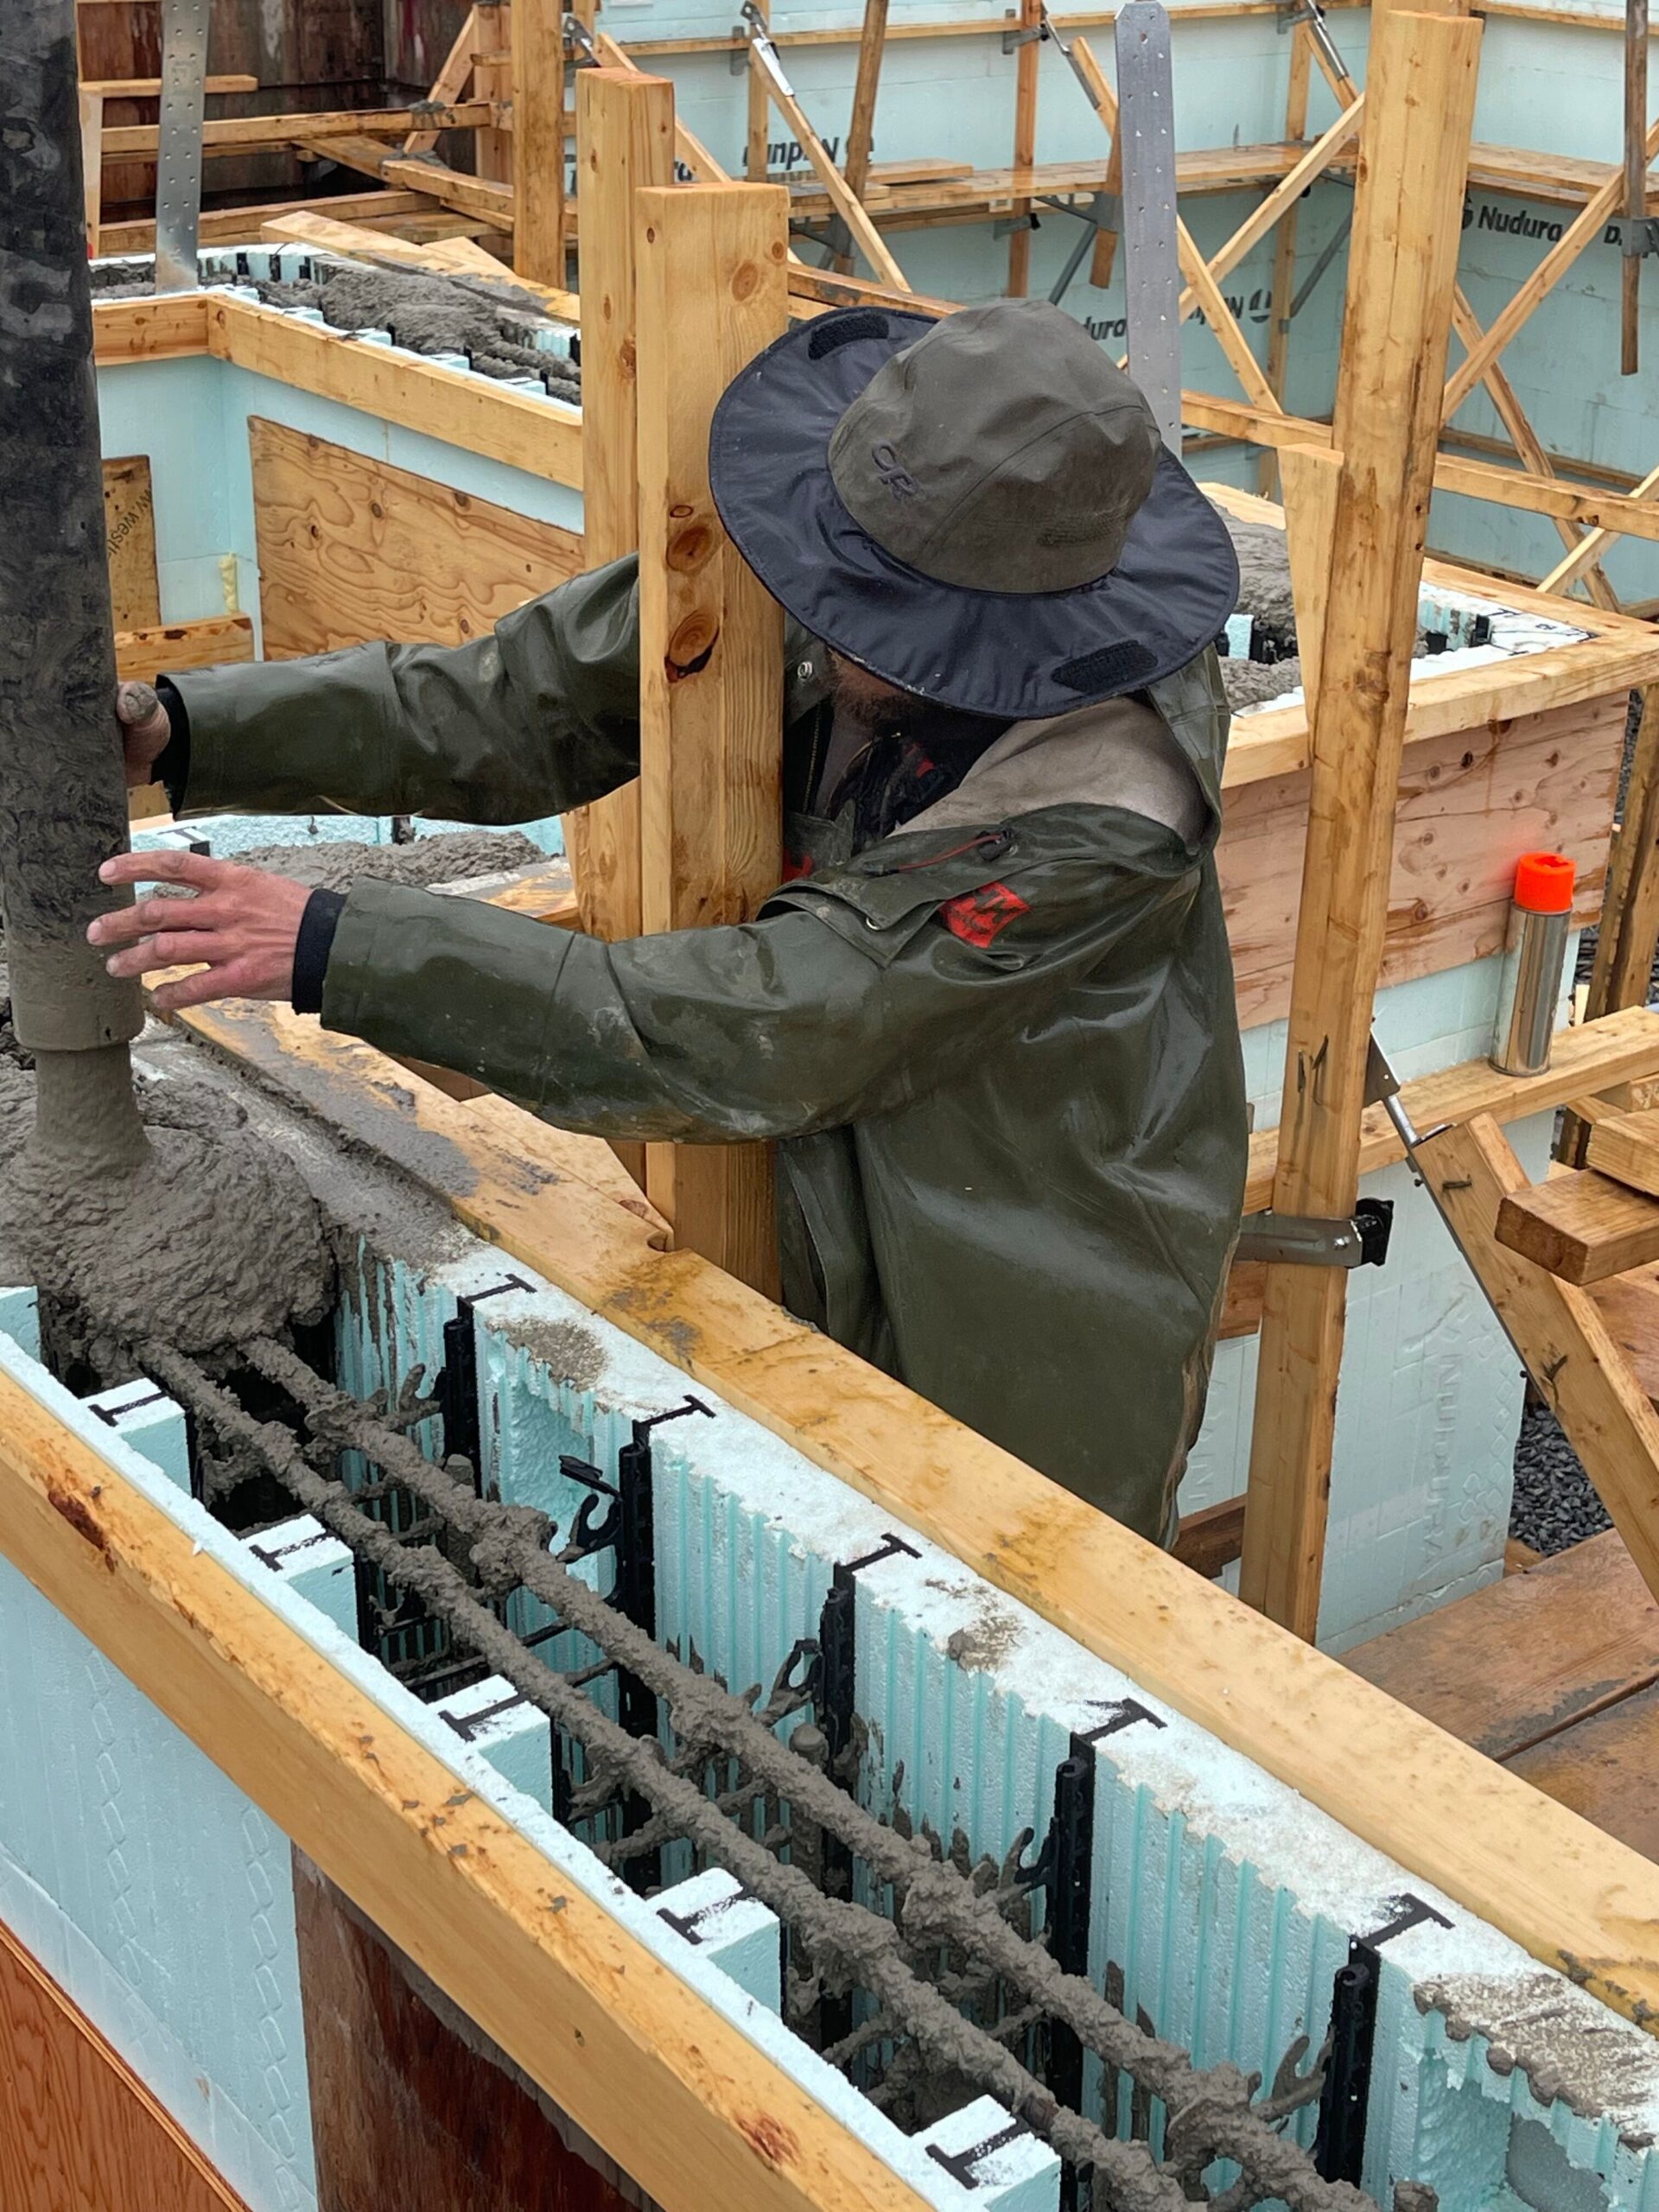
x=1224 y=1902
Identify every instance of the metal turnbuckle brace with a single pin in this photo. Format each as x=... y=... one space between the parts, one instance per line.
x=1361 y=1240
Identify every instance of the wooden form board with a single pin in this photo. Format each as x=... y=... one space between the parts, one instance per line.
x=1568 y=1895
x=130 y=541
x=1605 y=1770
x=245 y=134
x=78 y=2131
x=1618 y=1048
x=1527 y=1656
x=453 y=404
x=204 y=644
x=352 y=550
x=1470 y=804
x=682 y=2099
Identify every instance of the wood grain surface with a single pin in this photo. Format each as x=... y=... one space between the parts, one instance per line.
x=78 y=2131
x=352 y=549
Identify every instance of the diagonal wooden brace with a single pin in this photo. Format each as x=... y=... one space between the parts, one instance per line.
x=1559 y=1332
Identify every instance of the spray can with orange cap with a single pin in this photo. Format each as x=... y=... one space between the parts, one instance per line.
x=1539 y=920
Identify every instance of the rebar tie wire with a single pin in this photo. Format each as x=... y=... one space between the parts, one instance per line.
x=1210 y=2112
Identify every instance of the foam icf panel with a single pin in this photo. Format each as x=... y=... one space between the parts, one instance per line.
x=314 y=1565
x=20 y=1317
x=500 y=1721
x=713 y=1912
x=1005 y=2166
x=151 y=1422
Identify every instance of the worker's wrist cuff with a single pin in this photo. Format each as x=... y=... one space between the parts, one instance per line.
x=312 y=947
x=173 y=762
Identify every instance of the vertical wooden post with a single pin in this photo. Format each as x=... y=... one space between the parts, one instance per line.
x=1413 y=163
x=1284 y=253
x=493 y=80
x=755 y=166
x=625 y=141
x=1024 y=140
x=711 y=292
x=91 y=164
x=1312 y=476
x=1636 y=181
x=861 y=129
x=539 y=140
x=1630 y=908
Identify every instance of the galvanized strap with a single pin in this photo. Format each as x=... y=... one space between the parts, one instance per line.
x=178 y=161
x=1152 y=273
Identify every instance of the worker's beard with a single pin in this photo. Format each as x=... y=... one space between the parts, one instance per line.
x=886 y=711
x=875 y=704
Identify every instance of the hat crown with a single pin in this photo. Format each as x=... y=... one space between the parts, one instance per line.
x=1003 y=451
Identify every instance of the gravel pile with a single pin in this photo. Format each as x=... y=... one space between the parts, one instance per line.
x=1556 y=1504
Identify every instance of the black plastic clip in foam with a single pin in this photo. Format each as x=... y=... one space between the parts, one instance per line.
x=1345 y=2103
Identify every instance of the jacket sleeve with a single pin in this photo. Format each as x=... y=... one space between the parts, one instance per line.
x=844 y=1001
x=540 y=715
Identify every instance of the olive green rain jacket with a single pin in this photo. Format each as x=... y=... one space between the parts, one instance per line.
x=999 y=1048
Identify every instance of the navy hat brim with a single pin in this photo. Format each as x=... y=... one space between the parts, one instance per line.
x=1025 y=655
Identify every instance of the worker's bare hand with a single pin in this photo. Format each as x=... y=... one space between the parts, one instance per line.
x=145 y=730
x=243 y=924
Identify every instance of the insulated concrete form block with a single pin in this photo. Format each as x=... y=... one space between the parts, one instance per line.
x=713 y=1912
x=19 y=1318
x=314 y=1565
x=1226 y=1906
x=151 y=1422
x=171 y=1918
x=1221 y=1902
x=1002 y=2162
x=571 y=1861
x=500 y=1723
x=1426 y=1421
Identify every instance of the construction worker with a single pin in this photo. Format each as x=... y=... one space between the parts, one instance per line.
x=988 y=1018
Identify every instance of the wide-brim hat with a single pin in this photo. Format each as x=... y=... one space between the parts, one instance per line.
x=978 y=510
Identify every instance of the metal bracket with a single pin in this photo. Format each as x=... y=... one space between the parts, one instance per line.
x=179 y=139
x=1019 y=34
x=1152 y=283
x=738 y=60
x=1294 y=1240
x=1064 y=1871
x=1639 y=235
x=1382 y=1088
x=1311 y=13
x=764 y=51
x=581 y=39
x=1104 y=212
x=1050 y=29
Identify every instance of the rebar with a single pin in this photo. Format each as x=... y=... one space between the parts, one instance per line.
x=1210 y=2113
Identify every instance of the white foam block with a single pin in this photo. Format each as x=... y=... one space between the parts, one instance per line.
x=716 y=1914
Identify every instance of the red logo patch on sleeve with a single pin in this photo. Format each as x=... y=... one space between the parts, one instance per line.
x=976 y=916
